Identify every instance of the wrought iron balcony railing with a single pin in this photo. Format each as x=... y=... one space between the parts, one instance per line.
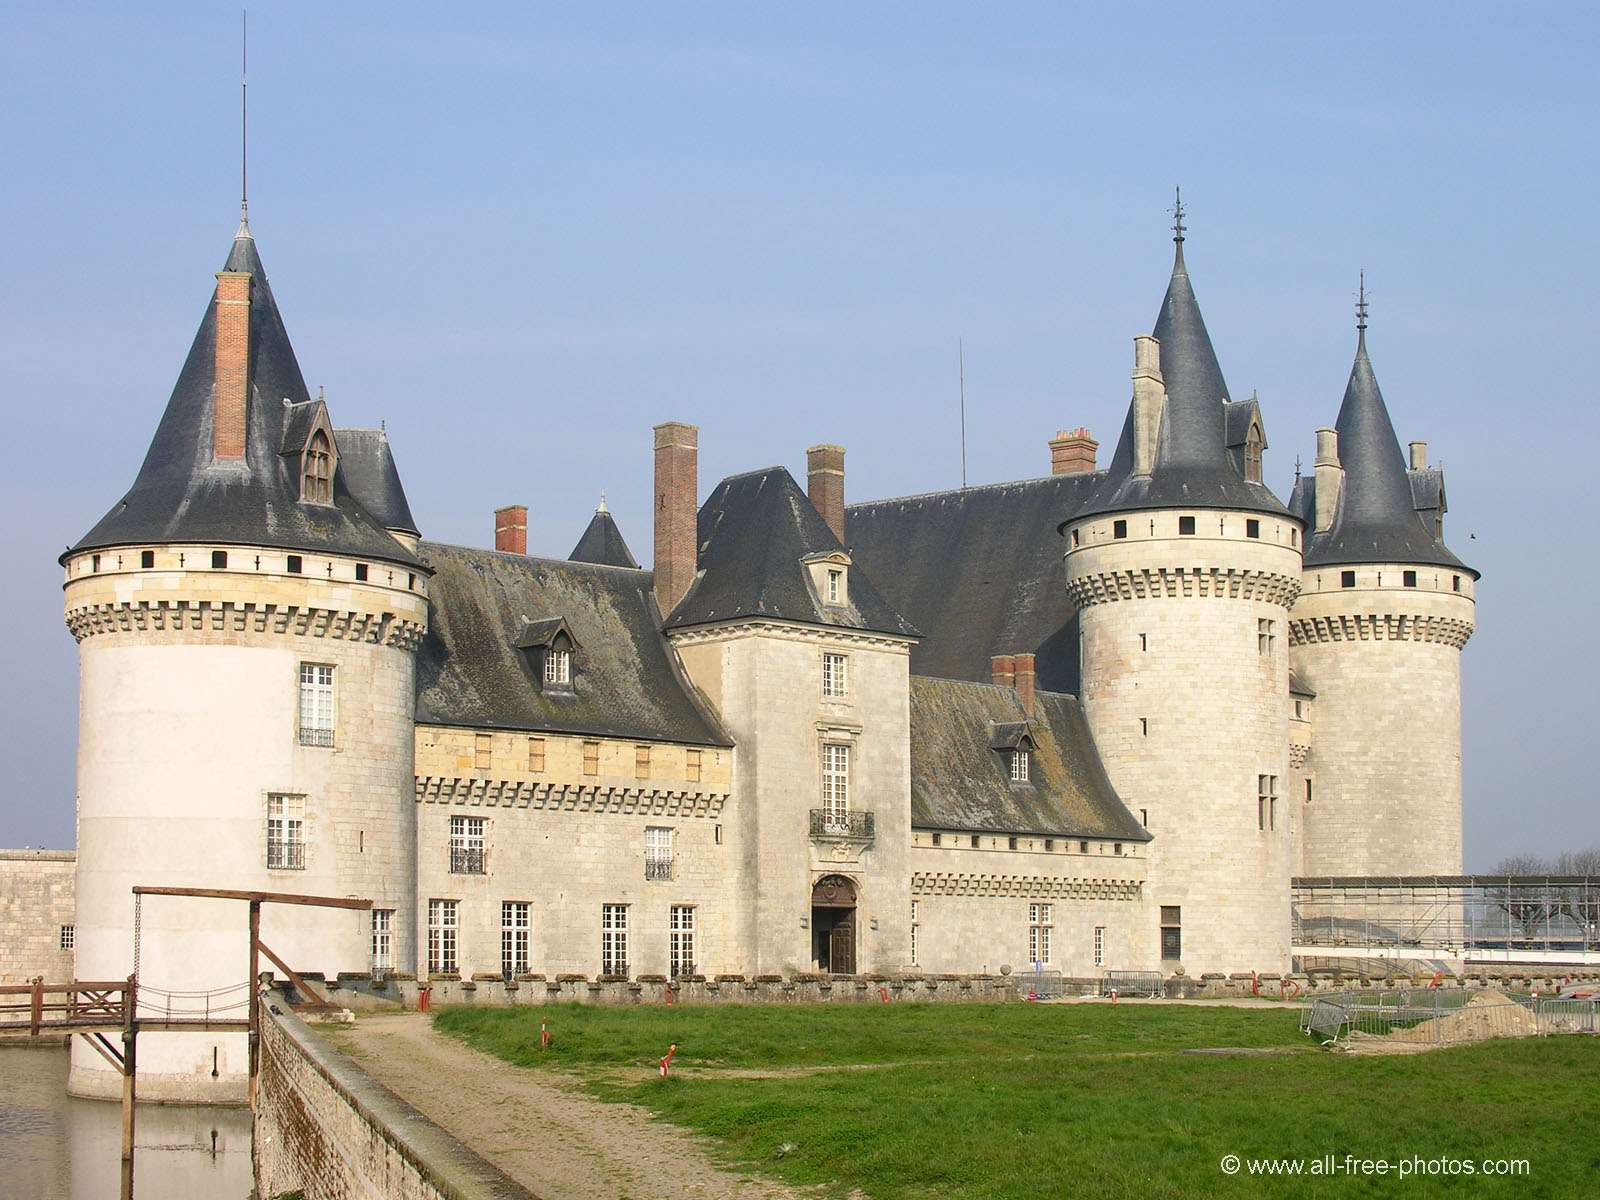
x=658 y=868
x=828 y=824
x=315 y=737
x=466 y=860
x=286 y=856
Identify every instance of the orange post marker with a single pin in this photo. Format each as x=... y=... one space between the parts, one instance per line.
x=666 y=1062
x=544 y=1036
x=883 y=994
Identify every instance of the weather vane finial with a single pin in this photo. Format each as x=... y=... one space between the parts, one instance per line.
x=1177 y=215
x=1361 y=305
x=244 y=125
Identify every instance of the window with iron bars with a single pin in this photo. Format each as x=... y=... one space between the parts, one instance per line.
x=316 y=704
x=1041 y=924
x=613 y=939
x=1099 y=945
x=69 y=937
x=467 y=845
x=681 y=944
x=442 y=926
x=658 y=852
x=1171 y=932
x=916 y=928
x=514 y=922
x=286 y=832
x=382 y=939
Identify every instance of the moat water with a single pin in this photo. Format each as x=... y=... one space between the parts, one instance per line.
x=53 y=1147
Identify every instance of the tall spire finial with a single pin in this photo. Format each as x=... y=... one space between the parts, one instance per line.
x=1361 y=305
x=602 y=506
x=244 y=125
x=1177 y=215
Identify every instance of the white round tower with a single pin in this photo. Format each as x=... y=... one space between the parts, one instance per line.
x=1182 y=567
x=1377 y=632
x=246 y=633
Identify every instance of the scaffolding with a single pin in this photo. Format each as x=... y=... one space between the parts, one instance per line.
x=1552 y=919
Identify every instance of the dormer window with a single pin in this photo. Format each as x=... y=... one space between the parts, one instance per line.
x=558 y=667
x=830 y=576
x=316 y=483
x=1253 y=444
x=549 y=648
x=1020 y=764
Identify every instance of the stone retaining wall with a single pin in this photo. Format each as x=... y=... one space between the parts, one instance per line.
x=326 y=1130
x=37 y=890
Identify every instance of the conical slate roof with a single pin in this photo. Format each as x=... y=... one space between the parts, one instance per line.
x=1193 y=468
x=755 y=533
x=602 y=543
x=1377 y=518
x=182 y=495
x=367 y=464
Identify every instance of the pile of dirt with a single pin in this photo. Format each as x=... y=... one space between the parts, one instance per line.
x=1489 y=1014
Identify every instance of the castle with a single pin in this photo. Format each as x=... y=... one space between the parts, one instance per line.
x=1064 y=723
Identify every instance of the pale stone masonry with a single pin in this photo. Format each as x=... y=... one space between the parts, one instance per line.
x=1088 y=722
x=37 y=921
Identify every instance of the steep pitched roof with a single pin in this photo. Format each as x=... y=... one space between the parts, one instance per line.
x=1193 y=465
x=182 y=495
x=1377 y=519
x=755 y=532
x=979 y=571
x=959 y=781
x=369 y=471
x=602 y=542
x=626 y=681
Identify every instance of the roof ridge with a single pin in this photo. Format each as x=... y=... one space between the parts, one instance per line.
x=977 y=487
x=537 y=558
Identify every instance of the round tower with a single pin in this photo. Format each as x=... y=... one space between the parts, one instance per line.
x=1182 y=567
x=246 y=631
x=1376 y=634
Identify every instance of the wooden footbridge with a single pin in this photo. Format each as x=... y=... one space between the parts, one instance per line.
x=105 y=1013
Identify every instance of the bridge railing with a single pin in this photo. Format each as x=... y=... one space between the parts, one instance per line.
x=40 y=1007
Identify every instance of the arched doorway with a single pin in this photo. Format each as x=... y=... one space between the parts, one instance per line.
x=833 y=925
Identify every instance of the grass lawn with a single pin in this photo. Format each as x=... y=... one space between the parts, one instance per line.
x=1025 y=1102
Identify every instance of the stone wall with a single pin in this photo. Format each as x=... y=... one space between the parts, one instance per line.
x=36 y=906
x=324 y=1128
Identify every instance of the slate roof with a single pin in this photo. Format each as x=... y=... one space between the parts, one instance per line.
x=181 y=495
x=754 y=532
x=1377 y=519
x=959 y=781
x=979 y=571
x=602 y=542
x=1194 y=466
x=626 y=682
x=369 y=470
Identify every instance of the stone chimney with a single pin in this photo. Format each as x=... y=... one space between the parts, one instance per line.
x=825 y=485
x=1330 y=478
x=677 y=484
x=230 y=393
x=1003 y=670
x=1419 y=455
x=1149 y=402
x=511 y=529
x=1072 y=453
x=1024 y=667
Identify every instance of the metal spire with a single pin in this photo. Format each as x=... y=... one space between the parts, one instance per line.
x=244 y=126
x=1361 y=305
x=1177 y=215
x=602 y=506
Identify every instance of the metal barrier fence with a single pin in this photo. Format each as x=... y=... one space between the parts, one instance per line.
x=1425 y=1017
x=1132 y=983
x=1041 y=985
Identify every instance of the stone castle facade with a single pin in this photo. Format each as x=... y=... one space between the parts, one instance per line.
x=1092 y=721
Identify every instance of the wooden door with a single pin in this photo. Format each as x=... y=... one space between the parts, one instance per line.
x=842 y=944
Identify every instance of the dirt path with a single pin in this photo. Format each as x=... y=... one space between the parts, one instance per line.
x=536 y=1126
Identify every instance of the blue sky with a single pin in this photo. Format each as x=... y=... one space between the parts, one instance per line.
x=522 y=234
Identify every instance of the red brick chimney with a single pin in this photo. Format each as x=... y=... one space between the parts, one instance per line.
x=1024 y=667
x=230 y=394
x=1003 y=670
x=1072 y=453
x=677 y=484
x=511 y=529
x=825 y=485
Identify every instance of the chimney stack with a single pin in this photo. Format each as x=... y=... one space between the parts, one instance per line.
x=825 y=485
x=1003 y=670
x=1149 y=402
x=1072 y=453
x=677 y=484
x=1419 y=456
x=230 y=396
x=1330 y=478
x=1024 y=669
x=511 y=529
